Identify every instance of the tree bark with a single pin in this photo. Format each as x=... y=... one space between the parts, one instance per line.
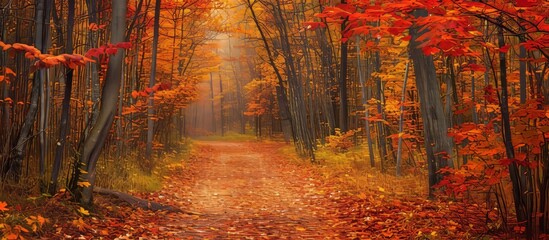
x=65 y=109
x=343 y=106
x=152 y=82
x=84 y=170
x=437 y=143
x=13 y=166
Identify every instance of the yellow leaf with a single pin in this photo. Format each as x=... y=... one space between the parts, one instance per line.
x=381 y=189
x=298 y=228
x=362 y=196
x=83 y=184
x=84 y=211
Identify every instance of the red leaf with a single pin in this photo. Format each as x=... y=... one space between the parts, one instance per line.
x=428 y=51
x=124 y=45
x=527 y=3
x=505 y=48
x=111 y=51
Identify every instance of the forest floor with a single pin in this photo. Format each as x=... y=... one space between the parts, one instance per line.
x=251 y=190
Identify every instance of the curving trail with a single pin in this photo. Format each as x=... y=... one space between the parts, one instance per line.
x=242 y=190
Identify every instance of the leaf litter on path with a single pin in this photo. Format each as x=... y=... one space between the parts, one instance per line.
x=250 y=190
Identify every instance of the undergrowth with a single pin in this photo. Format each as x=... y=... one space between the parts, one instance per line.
x=127 y=175
x=352 y=169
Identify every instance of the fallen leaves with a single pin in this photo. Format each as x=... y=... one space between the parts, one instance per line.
x=269 y=197
x=83 y=211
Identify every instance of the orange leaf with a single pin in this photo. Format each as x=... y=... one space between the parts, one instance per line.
x=3 y=206
x=93 y=26
x=135 y=94
x=9 y=71
x=5 y=46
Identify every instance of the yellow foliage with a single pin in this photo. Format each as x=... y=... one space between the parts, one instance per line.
x=340 y=142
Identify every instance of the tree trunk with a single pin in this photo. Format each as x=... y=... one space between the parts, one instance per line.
x=343 y=105
x=65 y=109
x=364 y=104
x=13 y=166
x=84 y=170
x=437 y=143
x=401 y=122
x=520 y=195
x=152 y=82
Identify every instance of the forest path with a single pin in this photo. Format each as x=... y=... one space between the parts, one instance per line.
x=246 y=189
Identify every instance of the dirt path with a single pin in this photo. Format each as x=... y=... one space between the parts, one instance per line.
x=243 y=191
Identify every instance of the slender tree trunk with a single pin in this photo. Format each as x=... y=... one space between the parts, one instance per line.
x=221 y=118
x=65 y=109
x=44 y=90
x=93 y=67
x=14 y=164
x=401 y=122
x=85 y=167
x=364 y=104
x=212 y=99
x=519 y=188
x=152 y=82
x=381 y=131
x=343 y=105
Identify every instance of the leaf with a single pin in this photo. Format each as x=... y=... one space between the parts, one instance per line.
x=299 y=228
x=505 y=48
x=3 y=206
x=83 y=184
x=111 y=51
x=135 y=94
x=124 y=45
x=93 y=27
x=5 y=46
x=9 y=71
x=428 y=51
x=83 y=211
x=12 y=236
